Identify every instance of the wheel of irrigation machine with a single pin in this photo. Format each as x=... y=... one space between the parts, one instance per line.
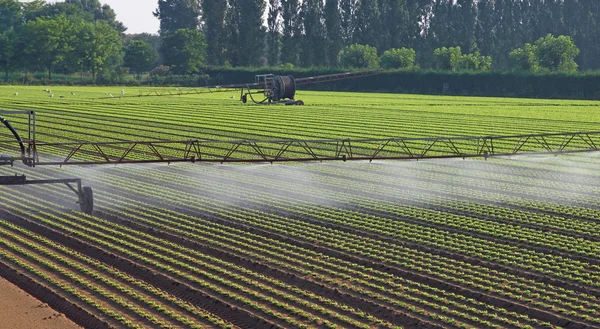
x=87 y=200
x=299 y=103
x=244 y=99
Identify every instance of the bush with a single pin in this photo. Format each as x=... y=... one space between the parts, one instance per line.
x=359 y=56
x=287 y=66
x=452 y=59
x=402 y=58
x=474 y=62
x=447 y=58
x=523 y=58
x=549 y=53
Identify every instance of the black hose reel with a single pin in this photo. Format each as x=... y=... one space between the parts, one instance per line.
x=277 y=89
x=283 y=87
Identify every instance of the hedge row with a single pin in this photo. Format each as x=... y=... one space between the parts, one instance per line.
x=568 y=86
x=509 y=84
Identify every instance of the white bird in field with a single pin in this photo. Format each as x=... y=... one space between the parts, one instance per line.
x=51 y=95
x=111 y=95
x=232 y=97
x=122 y=92
x=17 y=93
x=72 y=93
x=61 y=96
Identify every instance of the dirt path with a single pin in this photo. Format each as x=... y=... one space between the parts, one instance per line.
x=19 y=310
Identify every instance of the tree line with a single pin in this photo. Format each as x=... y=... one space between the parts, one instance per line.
x=311 y=33
x=85 y=36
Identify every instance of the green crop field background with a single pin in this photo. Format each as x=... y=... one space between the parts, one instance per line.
x=327 y=115
x=503 y=243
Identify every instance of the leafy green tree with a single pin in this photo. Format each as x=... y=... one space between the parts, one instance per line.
x=359 y=56
x=177 y=14
x=185 y=51
x=273 y=33
x=402 y=58
x=53 y=10
x=447 y=58
x=49 y=41
x=31 y=10
x=95 y=45
x=214 y=30
x=10 y=14
x=100 y=12
x=291 y=31
x=333 y=31
x=152 y=39
x=523 y=58
x=556 y=53
x=140 y=56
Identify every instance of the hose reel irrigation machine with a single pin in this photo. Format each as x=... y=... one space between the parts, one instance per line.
x=276 y=89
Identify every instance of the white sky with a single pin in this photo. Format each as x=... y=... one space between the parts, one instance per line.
x=135 y=14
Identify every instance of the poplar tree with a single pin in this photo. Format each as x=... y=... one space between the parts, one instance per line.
x=251 y=32
x=314 y=45
x=348 y=20
x=177 y=14
x=291 y=31
x=368 y=24
x=273 y=32
x=588 y=26
x=465 y=18
x=333 y=31
x=232 y=17
x=214 y=30
x=395 y=22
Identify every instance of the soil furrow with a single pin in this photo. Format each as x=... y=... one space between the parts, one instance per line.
x=56 y=300
x=234 y=314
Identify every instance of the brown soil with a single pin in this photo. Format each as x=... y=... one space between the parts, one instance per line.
x=19 y=310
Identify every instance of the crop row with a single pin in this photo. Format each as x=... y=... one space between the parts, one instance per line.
x=289 y=226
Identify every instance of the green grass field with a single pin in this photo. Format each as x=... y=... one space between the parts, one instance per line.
x=502 y=243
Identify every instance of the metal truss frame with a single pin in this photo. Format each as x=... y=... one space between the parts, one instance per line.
x=286 y=150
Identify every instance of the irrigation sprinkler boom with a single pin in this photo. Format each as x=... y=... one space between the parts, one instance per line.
x=293 y=150
x=34 y=154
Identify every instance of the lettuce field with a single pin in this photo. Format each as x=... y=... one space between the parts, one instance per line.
x=498 y=243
